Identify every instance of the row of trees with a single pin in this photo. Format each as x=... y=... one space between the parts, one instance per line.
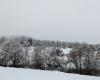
x=14 y=52
x=14 y=55
x=28 y=41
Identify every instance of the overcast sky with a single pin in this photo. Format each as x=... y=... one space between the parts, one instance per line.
x=65 y=20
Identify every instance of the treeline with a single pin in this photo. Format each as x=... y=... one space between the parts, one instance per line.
x=47 y=55
x=14 y=51
x=12 y=54
x=28 y=41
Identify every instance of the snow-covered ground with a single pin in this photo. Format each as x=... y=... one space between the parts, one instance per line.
x=66 y=50
x=29 y=74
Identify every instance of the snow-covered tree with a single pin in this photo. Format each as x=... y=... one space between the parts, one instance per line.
x=12 y=52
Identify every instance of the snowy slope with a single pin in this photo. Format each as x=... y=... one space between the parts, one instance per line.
x=28 y=74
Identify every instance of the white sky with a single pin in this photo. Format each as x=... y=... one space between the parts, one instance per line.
x=66 y=20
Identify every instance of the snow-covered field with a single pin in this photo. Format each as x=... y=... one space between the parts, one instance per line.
x=28 y=74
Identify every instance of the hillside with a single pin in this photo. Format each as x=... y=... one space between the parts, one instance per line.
x=28 y=74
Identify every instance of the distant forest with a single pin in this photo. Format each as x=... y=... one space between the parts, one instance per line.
x=29 y=41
